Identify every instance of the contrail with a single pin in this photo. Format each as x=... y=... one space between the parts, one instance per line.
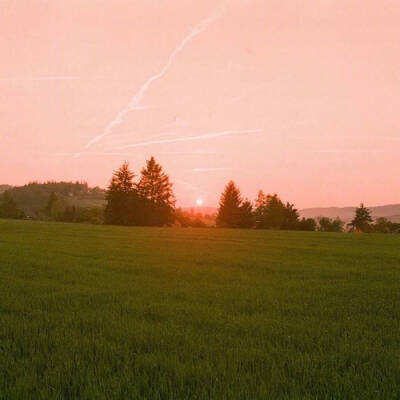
x=190 y=138
x=137 y=98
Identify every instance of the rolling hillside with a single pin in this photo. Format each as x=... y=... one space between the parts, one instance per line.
x=33 y=197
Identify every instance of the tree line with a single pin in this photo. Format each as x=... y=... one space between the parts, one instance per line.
x=148 y=200
x=270 y=212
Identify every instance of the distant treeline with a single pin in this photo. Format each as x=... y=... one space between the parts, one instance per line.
x=270 y=212
x=148 y=200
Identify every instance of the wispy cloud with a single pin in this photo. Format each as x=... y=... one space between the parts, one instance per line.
x=137 y=98
x=191 y=138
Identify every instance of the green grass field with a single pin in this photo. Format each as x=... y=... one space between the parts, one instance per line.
x=100 y=312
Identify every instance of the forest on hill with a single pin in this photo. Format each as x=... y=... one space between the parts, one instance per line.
x=33 y=199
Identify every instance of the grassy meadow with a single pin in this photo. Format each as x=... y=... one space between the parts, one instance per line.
x=102 y=312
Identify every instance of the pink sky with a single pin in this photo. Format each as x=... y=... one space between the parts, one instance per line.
x=295 y=97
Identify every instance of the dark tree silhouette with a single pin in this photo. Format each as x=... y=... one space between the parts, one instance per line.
x=156 y=189
x=246 y=215
x=291 y=220
x=120 y=197
x=154 y=184
x=122 y=179
x=272 y=213
x=229 y=207
x=362 y=220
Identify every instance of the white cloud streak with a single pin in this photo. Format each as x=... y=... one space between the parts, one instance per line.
x=191 y=138
x=137 y=98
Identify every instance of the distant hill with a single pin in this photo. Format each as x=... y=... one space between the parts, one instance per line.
x=33 y=197
x=3 y=188
x=390 y=211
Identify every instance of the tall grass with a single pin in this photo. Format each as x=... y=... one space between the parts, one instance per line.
x=95 y=312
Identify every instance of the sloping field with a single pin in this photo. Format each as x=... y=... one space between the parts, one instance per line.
x=97 y=312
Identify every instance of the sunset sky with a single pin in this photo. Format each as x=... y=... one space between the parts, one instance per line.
x=301 y=98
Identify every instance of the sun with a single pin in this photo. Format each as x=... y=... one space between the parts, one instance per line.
x=199 y=202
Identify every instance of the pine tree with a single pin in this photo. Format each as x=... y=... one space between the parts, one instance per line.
x=229 y=207
x=291 y=220
x=122 y=180
x=154 y=184
x=362 y=219
x=155 y=187
x=119 y=197
x=272 y=213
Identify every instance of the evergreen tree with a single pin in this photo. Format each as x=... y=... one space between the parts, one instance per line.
x=362 y=219
x=246 y=215
x=122 y=179
x=155 y=185
x=291 y=220
x=272 y=213
x=9 y=208
x=155 y=189
x=229 y=207
x=119 y=197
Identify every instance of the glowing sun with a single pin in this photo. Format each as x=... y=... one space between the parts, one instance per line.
x=199 y=202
